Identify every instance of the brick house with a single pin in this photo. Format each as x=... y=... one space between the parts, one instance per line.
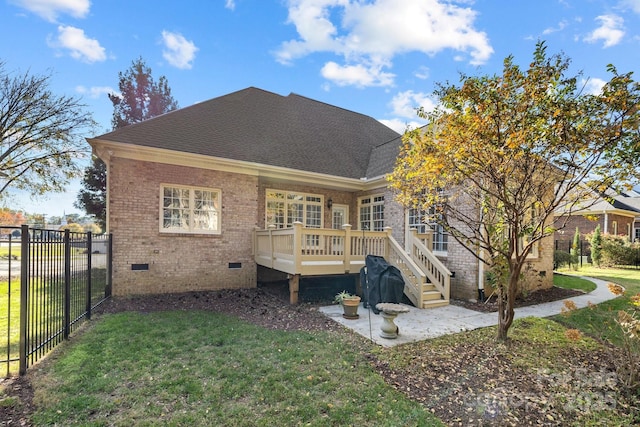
x=616 y=213
x=253 y=185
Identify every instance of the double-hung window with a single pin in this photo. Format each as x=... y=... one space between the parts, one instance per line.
x=189 y=210
x=423 y=222
x=283 y=208
x=371 y=213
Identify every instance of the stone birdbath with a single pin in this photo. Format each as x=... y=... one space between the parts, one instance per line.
x=389 y=312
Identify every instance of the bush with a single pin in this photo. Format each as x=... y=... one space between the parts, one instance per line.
x=618 y=250
x=562 y=258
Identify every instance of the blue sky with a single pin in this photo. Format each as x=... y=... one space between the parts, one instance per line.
x=377 y=57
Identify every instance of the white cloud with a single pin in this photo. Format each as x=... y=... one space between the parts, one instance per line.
x=634 y=5
x=50 y=9
x=422 y=73
x=400 y=125
x=95 y=91
x=230 y=4
x=611 y=31
x=357 y=75
x=369 y=35
x=406 y=104
x=78 y=44
x=561 y=26
x=178 y=51
x=593 y=86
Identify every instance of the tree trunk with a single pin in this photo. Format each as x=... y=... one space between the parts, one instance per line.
x=505 y=306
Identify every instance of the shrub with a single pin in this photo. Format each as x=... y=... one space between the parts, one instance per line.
x=562 y=258
x=618 y=250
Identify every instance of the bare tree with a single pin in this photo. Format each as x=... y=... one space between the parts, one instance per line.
x=41 y=134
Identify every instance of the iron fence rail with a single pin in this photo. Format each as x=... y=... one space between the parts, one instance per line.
x=50 y=281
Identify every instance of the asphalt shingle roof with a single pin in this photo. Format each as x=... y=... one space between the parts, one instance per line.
x=257 y=126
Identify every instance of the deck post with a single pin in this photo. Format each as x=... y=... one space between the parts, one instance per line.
x=271 y=227
x=294 y=286
x=297 y=246
x=347 y=247
x=387 y=250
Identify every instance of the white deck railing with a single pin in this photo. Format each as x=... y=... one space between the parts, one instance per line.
x=436 y=272
x=320 y=251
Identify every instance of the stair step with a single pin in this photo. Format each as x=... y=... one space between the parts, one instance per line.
x=428 y=287
x=431 y=295
x=435 y=303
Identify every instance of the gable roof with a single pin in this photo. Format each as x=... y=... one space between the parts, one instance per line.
x=257 y=126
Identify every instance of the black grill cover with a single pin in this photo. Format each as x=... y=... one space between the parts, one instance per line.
x=381 y=282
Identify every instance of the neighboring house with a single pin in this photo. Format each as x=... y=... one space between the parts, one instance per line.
x=254 y=185
x=616 y=213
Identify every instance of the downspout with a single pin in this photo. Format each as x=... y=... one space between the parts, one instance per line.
x=481 y=296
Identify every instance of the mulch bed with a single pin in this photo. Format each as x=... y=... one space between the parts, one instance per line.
x=541 y=296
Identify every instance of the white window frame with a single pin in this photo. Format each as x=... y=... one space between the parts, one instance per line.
x=312 y=208
x=440 y=245
x=371 y=212
x=191 y=227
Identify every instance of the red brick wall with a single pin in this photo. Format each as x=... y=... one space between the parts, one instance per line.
x=178 y=262
x=587 y=225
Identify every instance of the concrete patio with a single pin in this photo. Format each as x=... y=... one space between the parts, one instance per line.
x=418 y=325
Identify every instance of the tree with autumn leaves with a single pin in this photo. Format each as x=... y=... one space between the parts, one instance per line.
x=140 y=98
x=502 y=153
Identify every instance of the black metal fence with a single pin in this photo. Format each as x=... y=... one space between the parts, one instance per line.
x=50 y=281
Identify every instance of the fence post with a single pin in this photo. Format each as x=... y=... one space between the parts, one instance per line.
x=89 y=252
x=24 y=292
x=67 y=284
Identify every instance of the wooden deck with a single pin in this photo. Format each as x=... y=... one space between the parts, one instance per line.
x=300 y=251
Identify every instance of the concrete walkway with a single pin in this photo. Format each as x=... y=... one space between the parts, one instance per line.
x=418 y=325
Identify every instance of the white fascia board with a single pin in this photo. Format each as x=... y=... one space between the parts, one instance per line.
x=109 y=149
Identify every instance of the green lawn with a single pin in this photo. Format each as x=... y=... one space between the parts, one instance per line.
x=194 y=368
x=46 y=310
x=599 y=320
x=202 y=368
x=570 y=282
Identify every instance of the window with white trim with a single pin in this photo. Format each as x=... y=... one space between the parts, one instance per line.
x=423 y=221
x=189 y=209
x=283 y=208
x=371 y=213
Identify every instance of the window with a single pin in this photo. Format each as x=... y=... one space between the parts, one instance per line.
x=420 y=220
x=371 y=213
x=283 y=208
x=189 y=210
x=614 y=225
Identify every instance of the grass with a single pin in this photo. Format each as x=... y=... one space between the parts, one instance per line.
x=599 y=320
x=571 y=282
x=191 y=368
x=42 y=249
x=46 y=310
